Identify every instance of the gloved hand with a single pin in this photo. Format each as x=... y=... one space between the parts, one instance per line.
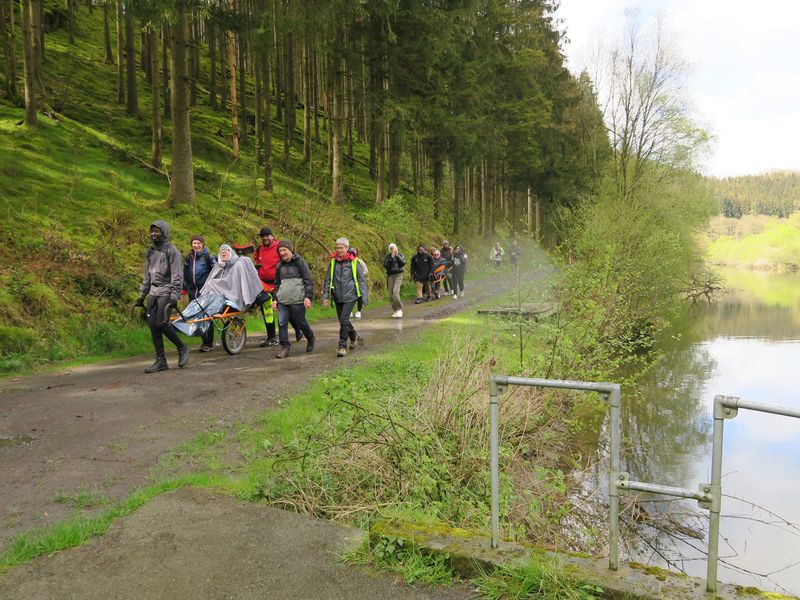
x=139 y=301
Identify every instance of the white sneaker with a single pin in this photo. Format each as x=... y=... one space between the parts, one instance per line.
x=397 y=314
x=358 y=314
x=400 y=314
x=455 y=296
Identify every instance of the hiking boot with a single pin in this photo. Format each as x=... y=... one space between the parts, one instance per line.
x=341 y=352
x=283 y=352
x=359 y=341
x=206 y=348
x=273 y=341
x=418 y=301
x=183 y=356
x=298 y=335
x=159 y=365
x=310 y=344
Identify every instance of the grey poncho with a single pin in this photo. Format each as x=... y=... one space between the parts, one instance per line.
x=237 y=280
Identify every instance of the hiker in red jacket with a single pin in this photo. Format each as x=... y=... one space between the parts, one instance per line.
x=266 y=259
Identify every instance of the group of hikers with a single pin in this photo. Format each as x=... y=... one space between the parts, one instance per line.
x=496 y=255
x=276 y=278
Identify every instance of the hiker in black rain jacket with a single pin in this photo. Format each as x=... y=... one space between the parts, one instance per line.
x=196 y=267
x=421 y=269
x=162 y=282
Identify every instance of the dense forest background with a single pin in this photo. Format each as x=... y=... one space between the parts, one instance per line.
x=774 y=194
x=476 y=92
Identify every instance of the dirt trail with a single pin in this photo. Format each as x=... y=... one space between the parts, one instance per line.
x=104 y=426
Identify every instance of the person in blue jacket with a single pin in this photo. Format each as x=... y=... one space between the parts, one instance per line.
x=196 y=267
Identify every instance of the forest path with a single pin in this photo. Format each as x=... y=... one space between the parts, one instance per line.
x=103 y=427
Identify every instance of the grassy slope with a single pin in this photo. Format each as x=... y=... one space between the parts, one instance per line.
x=76 y=208
x=771 y=243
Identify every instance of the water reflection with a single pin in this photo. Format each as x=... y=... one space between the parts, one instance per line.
x=748 y=345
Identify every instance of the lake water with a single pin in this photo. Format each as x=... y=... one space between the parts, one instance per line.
x=746 y=344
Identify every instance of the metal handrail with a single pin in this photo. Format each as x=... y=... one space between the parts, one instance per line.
x=709 y=496
x=611 y=392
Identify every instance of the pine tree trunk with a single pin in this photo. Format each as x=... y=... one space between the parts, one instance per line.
x=10 y=64
x=459 y=185
x=71 y=8
x=109 y=55
x=120 y=54
x=307 y=99
x=233 y=93
x=144 y=56
x=156 y=86
x=212 y=58
x=438 y=176
x=315 y=92
x=222 y=40
x=132 y=106
x=349 y=108
x=37 y=14
x=28 y=63
x=165 y=67
x=380 y=159
x=395 y=149
x=482 y=224
x=277 y=72
x=267 y=121
x=181 y=190
x=258 y=101
x=192 y=52
x=241 y=52
x=288 y=97
x=337 y=172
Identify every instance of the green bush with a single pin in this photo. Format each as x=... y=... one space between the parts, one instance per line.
x=15 y=340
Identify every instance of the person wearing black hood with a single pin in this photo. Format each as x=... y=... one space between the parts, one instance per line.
x=161 y=284
x=294 y=290
x=421 y=269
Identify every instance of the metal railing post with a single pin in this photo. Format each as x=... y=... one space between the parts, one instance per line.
x=494 y=460
x=613 y=478
x=720 y=413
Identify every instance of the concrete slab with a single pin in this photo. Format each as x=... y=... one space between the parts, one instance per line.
x=193 y=543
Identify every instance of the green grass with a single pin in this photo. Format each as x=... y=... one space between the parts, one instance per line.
x=776 y=247
x=393 y=555
x=538 y=580
x=80 y=528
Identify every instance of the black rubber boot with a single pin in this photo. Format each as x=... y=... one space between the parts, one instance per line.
x=183 y=356
x=161 y=360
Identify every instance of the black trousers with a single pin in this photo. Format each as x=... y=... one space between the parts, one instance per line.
x=346 y=329
x=292 y=313
x=158 y=320
x=458 y=282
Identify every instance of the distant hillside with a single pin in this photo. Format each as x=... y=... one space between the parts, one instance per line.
x=775 y=194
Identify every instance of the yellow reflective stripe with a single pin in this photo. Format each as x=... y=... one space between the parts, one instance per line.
x=355 y=275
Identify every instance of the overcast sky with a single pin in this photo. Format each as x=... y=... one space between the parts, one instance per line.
x=745 y=79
